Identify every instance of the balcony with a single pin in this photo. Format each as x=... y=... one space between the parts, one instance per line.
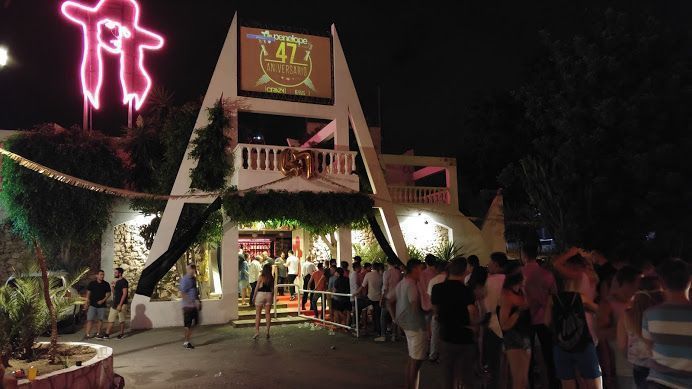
x=420 y=195
x=257 y=165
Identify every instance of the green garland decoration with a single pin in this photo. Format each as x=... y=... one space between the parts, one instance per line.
x=318 y=213
x=209 y=149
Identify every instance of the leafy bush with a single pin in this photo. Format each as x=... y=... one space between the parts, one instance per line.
x=414 y=253
x=318 y=213
x=447 y=251
x=209 y=149
x=24 y=315
x=370 y=252
x=66 y=221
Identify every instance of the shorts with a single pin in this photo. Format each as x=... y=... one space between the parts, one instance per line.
x=341 y=305
x=113 y=314
x=190 y=315
x=515 y=340
x=263 y=298
x=242 y=284
x=94 y=313
x=417 y=342
x=584 y=361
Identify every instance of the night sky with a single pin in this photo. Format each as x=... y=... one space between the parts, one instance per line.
x=430 y=61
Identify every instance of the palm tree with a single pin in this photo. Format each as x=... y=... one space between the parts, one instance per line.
x=53 y=350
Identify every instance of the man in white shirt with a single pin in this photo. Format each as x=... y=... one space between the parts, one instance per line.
x=390 y=279
x=307 y=269
x=492 y=339
x=293 y=265
x=254 y=271
x=373 y=284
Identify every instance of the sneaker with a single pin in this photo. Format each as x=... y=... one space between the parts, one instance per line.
x=101 y=336
x=380 y=339
x=120 y=337
x=188 y=345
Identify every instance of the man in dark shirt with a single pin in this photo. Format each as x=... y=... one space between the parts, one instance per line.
x=454 y=305
x=98 y=293
x=119 y=308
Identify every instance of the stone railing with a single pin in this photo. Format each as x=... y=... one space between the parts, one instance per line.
x=267 y=158
x=419 y=194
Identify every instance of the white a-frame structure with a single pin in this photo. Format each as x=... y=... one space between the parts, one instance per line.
x=344 y=113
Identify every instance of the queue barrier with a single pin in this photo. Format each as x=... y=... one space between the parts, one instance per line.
x=323 y=293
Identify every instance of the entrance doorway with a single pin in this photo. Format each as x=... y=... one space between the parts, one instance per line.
x=256 y=242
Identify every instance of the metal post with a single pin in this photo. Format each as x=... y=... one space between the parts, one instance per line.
x=357 y=313
x=274 y=297
x=129 y=114
x=85 y=114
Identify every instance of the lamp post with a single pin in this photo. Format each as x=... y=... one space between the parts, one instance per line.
x=4 y=56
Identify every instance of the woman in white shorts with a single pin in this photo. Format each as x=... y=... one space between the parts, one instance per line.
x=263 y=298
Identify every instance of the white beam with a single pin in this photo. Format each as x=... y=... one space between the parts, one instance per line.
x=426 y=171
x=326 y=133
x=415 y=160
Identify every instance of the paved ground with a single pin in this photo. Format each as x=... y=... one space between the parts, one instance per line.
x=226 y=357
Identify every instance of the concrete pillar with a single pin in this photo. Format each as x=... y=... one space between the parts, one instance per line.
x=344 y=247
x=341 y=138
x=229 y=269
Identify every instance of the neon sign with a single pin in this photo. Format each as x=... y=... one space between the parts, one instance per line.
x=113 y=26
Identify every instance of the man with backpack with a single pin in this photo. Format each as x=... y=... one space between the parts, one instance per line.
x=574 y=350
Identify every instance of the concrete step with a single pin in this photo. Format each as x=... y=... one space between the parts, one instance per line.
x=245 y=323
x=250 y=313
x=247 y=307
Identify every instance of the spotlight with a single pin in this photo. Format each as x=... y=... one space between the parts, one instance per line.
x=4 y=56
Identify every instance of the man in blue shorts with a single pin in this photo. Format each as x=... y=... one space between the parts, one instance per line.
x=98 y=292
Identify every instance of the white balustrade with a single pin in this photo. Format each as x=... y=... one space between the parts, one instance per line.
x=419 y=194
x=267 y=158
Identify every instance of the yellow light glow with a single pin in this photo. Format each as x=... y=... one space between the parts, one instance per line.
x=4 y=56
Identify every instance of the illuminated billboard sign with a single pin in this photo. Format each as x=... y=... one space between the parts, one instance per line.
x=285 y=65
x=112 y=27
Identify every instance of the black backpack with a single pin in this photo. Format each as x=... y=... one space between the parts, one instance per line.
x=569 y=322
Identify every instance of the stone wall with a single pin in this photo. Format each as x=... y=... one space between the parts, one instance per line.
x=14 y=253
x=130 y=253
x=430 y=241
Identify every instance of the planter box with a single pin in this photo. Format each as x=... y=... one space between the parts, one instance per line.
x=94 y=373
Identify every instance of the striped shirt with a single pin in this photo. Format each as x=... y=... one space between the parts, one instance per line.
x=669 y=327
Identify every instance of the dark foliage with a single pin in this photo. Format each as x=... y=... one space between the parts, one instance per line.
x=318 y=213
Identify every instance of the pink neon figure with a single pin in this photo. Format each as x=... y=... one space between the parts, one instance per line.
x=113 y=26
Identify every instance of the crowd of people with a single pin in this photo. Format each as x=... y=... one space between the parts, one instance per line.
x=576 y=320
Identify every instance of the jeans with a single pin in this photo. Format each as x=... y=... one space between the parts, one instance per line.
x=640 y=374
x=306 y=294
x=434 y=337
x=292 y=280
x=458 y=365
x=313 y=304
x=282 y=280
x=385 y=318
x=545 y=338
x=492 y=357
x=253 y=285
x=376 y=315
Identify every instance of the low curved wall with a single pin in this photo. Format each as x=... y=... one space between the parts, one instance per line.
x=94 y=373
